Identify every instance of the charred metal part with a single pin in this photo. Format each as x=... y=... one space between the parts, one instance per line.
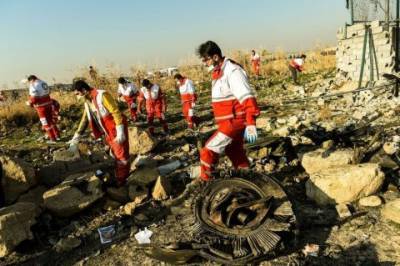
x=242 y=219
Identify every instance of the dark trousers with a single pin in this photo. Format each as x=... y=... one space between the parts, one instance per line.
x=293 y=71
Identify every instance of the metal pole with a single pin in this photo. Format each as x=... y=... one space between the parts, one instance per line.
x=397 y=35
x=371 y=57
x=363 y=56
x=352 y=11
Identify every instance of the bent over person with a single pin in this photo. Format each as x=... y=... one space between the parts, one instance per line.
x=156 y=104
x=235 y=111
x=101 y=113
x=129 y=92
x=39 y=98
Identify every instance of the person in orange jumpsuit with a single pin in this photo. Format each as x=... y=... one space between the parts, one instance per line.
x=235 y=111
x=296 y=65
x=255 y=62
x=105 y=119
x=188 y=99
x=39 y=98
x=156 y=105
x=129 y=92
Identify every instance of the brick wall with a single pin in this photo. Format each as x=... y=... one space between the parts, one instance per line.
x=350 y=47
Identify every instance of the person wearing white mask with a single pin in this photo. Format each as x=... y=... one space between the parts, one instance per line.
x=235 y=111
x=105 y=119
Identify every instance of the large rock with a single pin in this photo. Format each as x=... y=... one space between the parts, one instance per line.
x=344 y=184
x=66 y=155
x=75 y=194
x=140 y=142
x=391 y=211
x=34 y=195
x=144 y=176
x=321 y=159
x=15 y=225
x=17 y=178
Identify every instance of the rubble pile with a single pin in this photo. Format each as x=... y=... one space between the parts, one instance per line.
x=335 y=157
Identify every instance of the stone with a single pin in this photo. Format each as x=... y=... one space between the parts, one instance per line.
x=391 y=211
x=195 y=172
x=137 y=193
x=344 y=184
x=140 y=141
x=293 y=120
x=262 y=153
x=162 y=189
x=66 y=155
x=391 y=147
x=144 y=176
x=73 y=195
x=129 y=208
x=111 y=205
x=327 y=145
x=34 y=195
x=186 y=148
x=320 y=159
x=371 y=201
x=17 y=178
x=281 y=132
x=343 y=211
x=119 y=194
x=15 y=225
x=264 y=123
x=67 y=244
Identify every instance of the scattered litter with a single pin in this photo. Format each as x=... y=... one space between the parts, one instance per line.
x=106 y=234
x=143 y=236
x=311 y=250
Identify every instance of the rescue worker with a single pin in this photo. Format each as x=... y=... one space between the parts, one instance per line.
x=102 y=115
x=129 y=93
x=155 y=104
x=235 y=111
x=296 y=64
x=255 y=62
x=55 y=114
x=39 y=98
x=188 y=99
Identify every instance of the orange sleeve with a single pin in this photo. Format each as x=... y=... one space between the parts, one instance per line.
x=252 y=110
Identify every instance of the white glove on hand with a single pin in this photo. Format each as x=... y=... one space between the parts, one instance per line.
x=75 y=140
x=250 y=134
x=193 y=104
x=120 y=134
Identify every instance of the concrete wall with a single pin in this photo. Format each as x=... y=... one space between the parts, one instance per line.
x=350 y=48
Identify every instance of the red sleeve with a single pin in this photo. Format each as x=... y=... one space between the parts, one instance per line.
x=252 y=110
x=163 y=100
x=32 y=100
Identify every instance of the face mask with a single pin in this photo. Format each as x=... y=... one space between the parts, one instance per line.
x=210 y=68
x=178 y=83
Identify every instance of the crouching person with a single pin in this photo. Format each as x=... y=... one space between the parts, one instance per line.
x=104 y=118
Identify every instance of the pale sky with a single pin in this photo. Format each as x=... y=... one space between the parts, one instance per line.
x=53 y=38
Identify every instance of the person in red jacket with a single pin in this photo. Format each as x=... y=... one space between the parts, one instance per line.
x=255 y=62
x=129 y=92
x=101 y=113
x=296 y=64
x=39 y=98
x=235 y=111
x=188 y=99
x=156 y=105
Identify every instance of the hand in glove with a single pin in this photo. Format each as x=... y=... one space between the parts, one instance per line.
x=120 y=134
x=250 y=134
x=193 y=104
x=73 y=143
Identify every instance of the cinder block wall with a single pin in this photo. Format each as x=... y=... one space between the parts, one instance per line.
x=350 y=47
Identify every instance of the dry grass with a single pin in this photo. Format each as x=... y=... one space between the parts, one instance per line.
x=324 y=113
x=273 y=64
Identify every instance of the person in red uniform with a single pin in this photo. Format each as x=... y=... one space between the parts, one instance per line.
x=296 y=65
x=235 y=111
x=104 y=118
x=129 y=92
x=255 y=62
x=156 y=105
x=39 y=98
x=188 y=99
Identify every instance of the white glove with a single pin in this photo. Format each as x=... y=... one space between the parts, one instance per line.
x=250 y=134
x=193 y=104
x=75 y=140
x=120 y=134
